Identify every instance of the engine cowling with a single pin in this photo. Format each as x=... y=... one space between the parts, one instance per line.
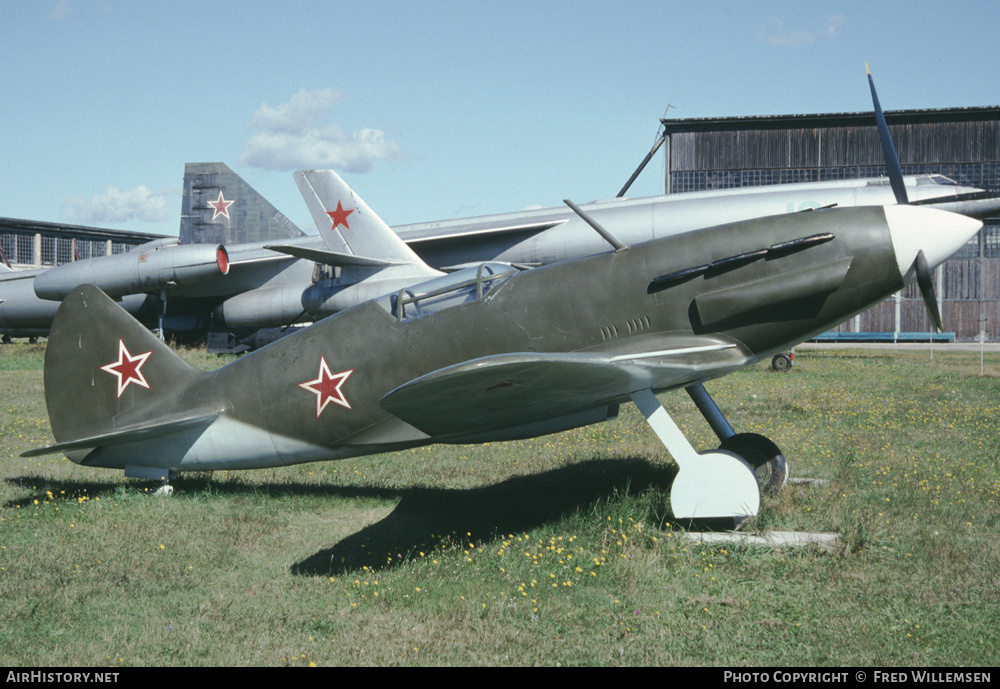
x=138 y=271
x=261 y=308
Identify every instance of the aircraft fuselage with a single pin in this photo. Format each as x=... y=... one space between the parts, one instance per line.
x=665 y=314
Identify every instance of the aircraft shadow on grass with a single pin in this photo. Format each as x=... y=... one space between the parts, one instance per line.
x=428 y=517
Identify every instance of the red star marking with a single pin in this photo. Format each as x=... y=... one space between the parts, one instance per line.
x=327 y=386
x=221 y=206
x=339 y=216
x=126 y=369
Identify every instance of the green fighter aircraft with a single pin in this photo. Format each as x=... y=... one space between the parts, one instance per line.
x=490 y=353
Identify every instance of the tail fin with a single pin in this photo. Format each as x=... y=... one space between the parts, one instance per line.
x=109 y=381
x=347 y=224
x=219 y=207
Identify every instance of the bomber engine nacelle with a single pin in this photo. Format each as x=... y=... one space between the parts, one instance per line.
x=262 y=308
x=141 y=270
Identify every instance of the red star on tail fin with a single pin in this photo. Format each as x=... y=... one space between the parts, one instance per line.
x=339 y=216
x=127 y=368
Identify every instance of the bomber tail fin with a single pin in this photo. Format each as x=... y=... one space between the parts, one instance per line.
x=109 y=381
x=346 y=223
x=219 y=207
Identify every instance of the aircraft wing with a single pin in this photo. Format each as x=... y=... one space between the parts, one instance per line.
x=496 y=392
x=6 y=274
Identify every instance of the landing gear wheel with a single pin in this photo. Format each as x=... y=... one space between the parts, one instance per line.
x=781 y=362
x=763 y=455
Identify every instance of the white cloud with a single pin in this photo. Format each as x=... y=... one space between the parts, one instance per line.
x=318 y=148
x=775 y=33
x=116 y=206
x=290 y=136
x=302 y=111
x=60 y=11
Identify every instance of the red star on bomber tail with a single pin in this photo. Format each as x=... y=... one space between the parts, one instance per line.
x=127 y=368
x=221 y=207
x=339 y=216
x=368 y=241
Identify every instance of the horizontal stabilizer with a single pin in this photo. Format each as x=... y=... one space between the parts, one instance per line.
x=129 y=434
x=330 y=258
x=470 y=229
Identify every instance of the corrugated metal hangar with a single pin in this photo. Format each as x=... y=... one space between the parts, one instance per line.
x=960 y=143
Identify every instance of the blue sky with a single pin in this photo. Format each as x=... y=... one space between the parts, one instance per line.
x=432 y=109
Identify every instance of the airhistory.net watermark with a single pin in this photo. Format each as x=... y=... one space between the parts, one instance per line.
x=41 y=676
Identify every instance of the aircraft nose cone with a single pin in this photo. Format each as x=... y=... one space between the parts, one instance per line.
x=937 y=233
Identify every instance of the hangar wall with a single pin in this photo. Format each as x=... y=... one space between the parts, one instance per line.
x=960 y=143
x=33 y=244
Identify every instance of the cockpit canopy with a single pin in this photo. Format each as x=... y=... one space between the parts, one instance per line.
x=919 y=180
x=460 y=287
x=937 y=179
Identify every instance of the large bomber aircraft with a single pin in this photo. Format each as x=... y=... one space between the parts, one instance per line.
x=493 y=353
x=205 y=281
x=293 y=279
x=287 y=280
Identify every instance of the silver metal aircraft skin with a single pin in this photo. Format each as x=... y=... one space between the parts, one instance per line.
x=286 y=277
x=289 y=280
x=279 y=282
x=492 y=353
x=534 y=238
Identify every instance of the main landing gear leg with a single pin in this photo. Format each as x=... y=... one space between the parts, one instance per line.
x=710 y=485
x=763 y=455
x=164 y=476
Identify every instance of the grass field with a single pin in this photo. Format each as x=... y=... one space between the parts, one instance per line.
x=557 y=550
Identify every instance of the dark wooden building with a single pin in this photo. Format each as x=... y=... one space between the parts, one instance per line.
x=960 y=143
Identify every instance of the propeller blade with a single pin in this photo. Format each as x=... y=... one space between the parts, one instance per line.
x=888 y=150
x=927 y=290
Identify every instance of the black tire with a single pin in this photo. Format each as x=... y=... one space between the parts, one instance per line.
x=781 y=362
x=763 y=455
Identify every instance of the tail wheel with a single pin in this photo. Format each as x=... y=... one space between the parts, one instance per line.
x=763 y=455
x=781 y=362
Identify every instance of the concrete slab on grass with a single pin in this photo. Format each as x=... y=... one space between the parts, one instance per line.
x=808 y=481
x=769 y=539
